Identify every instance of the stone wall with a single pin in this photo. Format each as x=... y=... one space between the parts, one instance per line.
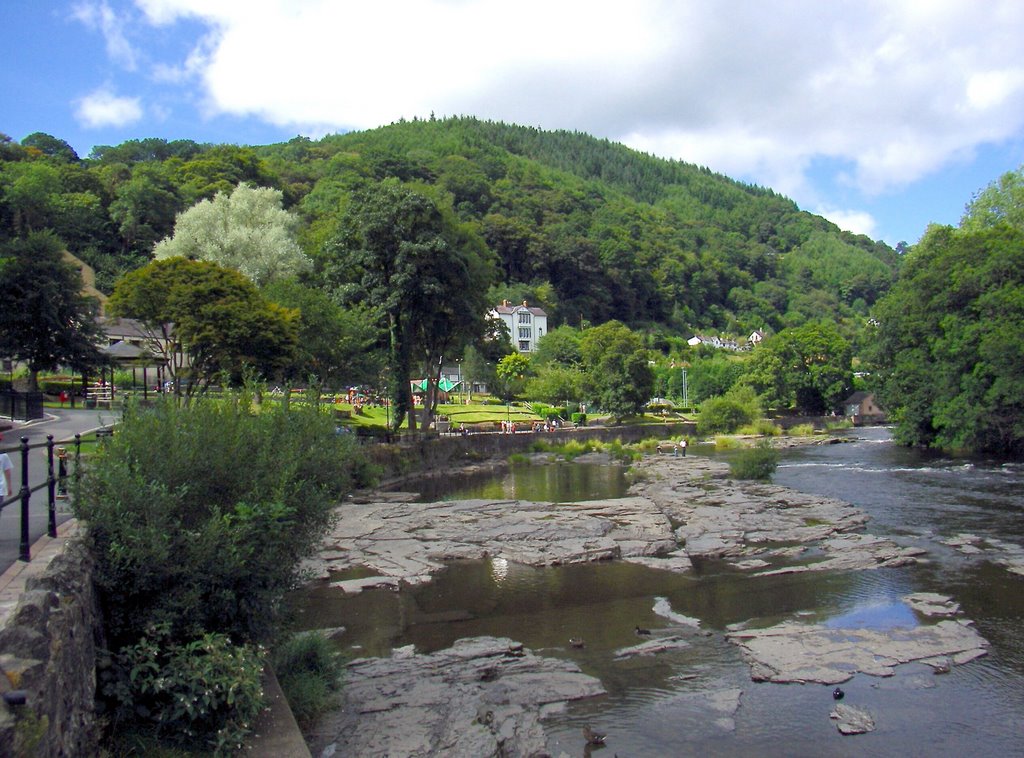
x=49 y=636
x=431 y=452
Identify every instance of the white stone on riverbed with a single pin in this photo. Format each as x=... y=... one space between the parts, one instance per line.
x=483 y=696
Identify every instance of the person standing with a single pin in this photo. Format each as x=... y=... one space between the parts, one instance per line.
x=682 y=446
x=6 y=467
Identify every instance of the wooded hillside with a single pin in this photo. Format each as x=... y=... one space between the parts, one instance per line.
x=588 y=229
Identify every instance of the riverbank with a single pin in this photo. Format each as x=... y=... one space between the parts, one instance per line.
x=680 y=511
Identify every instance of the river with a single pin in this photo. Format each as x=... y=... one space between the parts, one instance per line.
x=684 y=703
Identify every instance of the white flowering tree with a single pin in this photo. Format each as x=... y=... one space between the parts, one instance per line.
x=248 y=231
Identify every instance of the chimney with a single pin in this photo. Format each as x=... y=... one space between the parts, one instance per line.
x=504 y=303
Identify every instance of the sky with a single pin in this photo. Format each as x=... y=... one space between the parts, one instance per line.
x=881 y=115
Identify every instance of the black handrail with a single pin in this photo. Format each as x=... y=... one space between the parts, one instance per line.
x=54 y=484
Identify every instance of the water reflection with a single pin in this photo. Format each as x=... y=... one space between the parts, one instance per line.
x=554 y=482
x=666 y=704
x=879 y=616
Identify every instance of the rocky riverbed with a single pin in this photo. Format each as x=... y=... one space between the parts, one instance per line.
x=681 y=509
x=489 y=696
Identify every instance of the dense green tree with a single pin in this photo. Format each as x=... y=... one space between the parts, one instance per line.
x=51 y=146
x=419 y=269
x=560 y=346
x=46 y=321
x=335 y=344
x=950 y=355
x=28 y=190
x=1002 y=202
x=143 y=209
x=512 y=372
x=246 y=230
x=618 y=372
x=215 y=314
x=715 y=375
x=807 y=367
x=727 y=413
x=556 y=384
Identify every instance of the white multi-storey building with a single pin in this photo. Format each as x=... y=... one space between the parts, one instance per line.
x=526 y=325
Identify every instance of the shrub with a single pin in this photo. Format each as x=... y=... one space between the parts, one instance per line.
x=199 y=515
x=579 y=418
x=757 y=462
x=762 y=427
x=727 y=443
x=309 y=671
x=728 y=413
x=801 y=430
x=208 y=690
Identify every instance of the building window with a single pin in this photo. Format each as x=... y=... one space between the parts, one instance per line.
x=524 y=346
x=524 y=317
x=524 y=333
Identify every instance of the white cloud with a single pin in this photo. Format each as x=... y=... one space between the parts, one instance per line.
x=892 y=91
x=858 y=222
x=100 y=16
x=103 y=108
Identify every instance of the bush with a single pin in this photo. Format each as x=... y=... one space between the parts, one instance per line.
x=757 y=462
x=309 y=671
x=207 y=691
x=762 y=428
x=199 y=515
x=801 y=430
x=728 y=413
x=579 y=418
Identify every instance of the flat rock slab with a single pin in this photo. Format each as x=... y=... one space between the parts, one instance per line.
x=756 y=525
x=852 y=720
x=1008 y=554
x=483 y=696
x=653 y=647
x=793 y=652
x=410 y=541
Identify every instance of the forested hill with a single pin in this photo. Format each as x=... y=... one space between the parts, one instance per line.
x=589 y=229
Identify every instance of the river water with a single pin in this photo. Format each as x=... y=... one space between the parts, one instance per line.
x=684 y=703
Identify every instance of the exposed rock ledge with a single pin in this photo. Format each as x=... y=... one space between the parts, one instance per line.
x=755 y=524
x=408 y=541
x=683 y=508
x=483 y=696
x=792 y=652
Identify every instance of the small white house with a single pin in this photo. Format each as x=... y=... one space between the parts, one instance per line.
x=526 y=324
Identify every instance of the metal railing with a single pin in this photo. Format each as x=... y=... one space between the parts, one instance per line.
x=56 y=484
x=24 y=406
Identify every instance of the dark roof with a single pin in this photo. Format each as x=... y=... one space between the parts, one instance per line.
x=126 y=328
x=857 y=397
x=508 y=308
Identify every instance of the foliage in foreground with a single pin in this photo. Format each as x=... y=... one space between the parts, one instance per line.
x=206 y=691
x=198 y=517
x=758 y=462
x=309 y=671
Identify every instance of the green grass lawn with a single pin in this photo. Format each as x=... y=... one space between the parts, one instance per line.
x=477 y=414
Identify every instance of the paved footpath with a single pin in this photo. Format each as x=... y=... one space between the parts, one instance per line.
x=63 y=424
